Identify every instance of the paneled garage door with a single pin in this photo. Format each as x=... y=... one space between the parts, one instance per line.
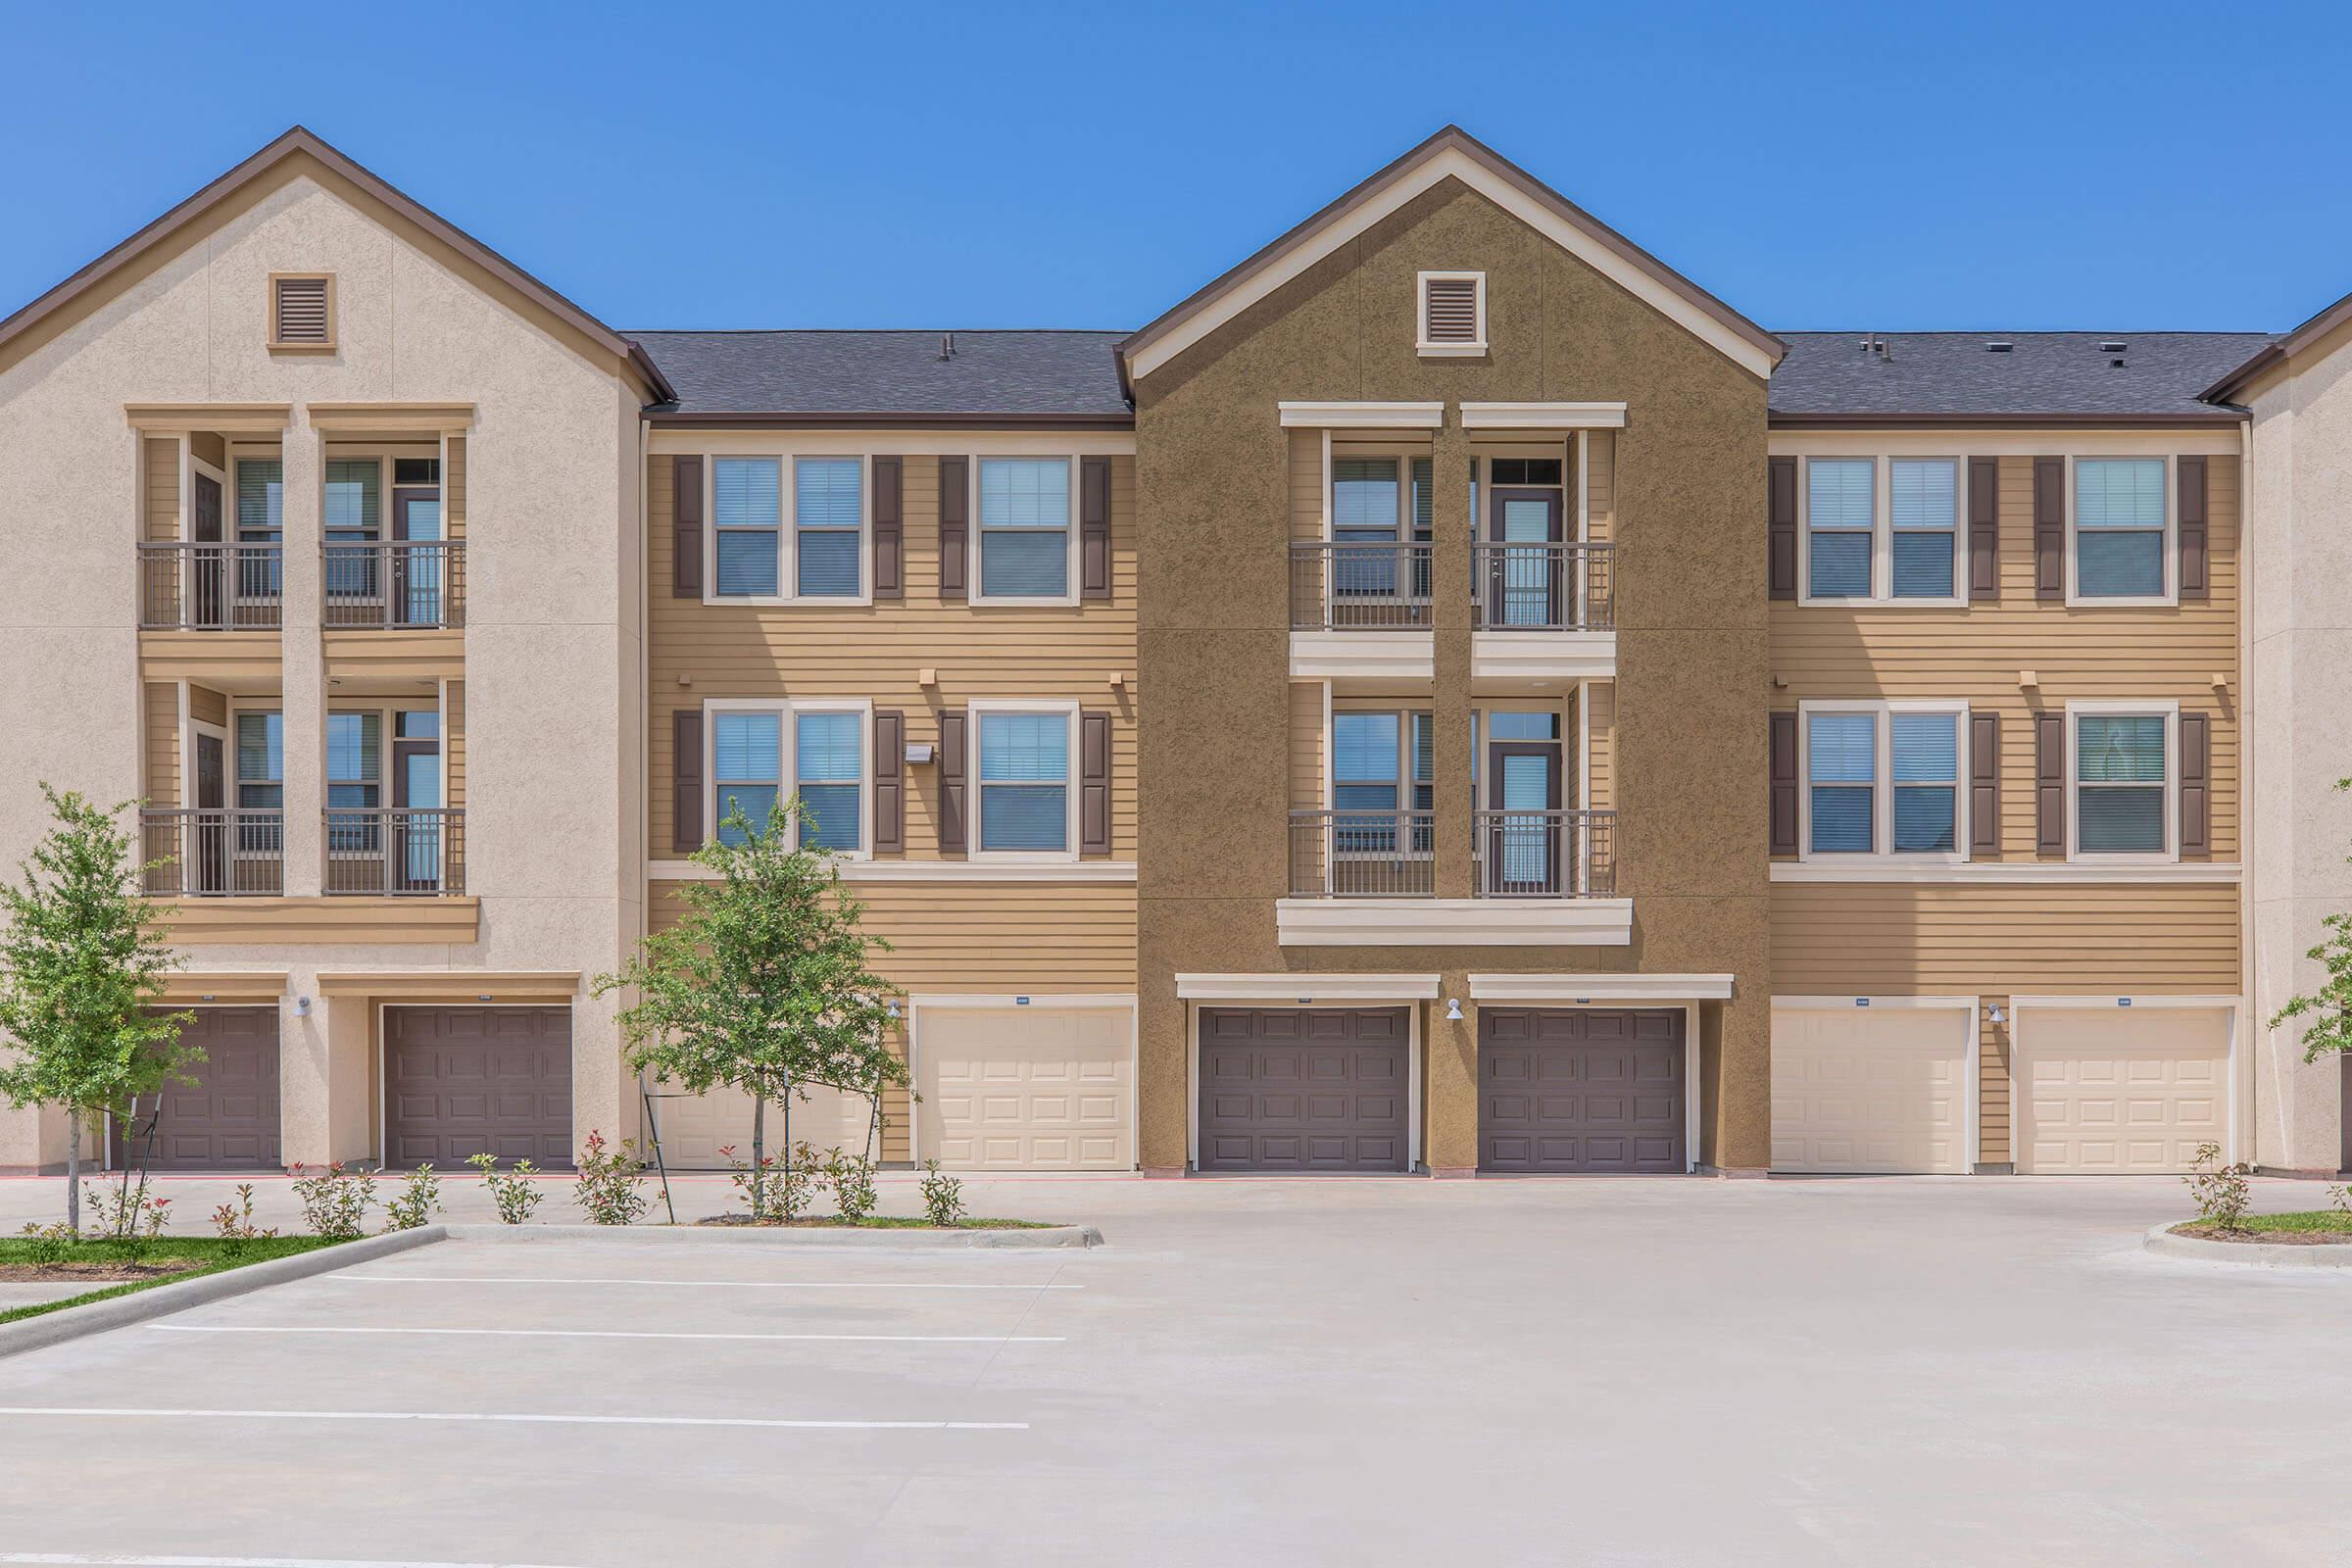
x=1870 y=1089
x=2120 y=1091
x=1304 y=1089
x=1025 y=1088
x=227 y=1118
x=1572 y=1091
x=696 y=1128
x=462 y=1080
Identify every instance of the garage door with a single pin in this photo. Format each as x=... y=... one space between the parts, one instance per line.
x=2120 y=1091
x=227 y=1118
x=1572 y=1091
x=696 y=1128
x=1025 y=1088
x=1303 y=1088
x=1870 y=1089
x=462 y=1080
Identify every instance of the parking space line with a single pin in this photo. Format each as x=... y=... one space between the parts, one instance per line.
x=679 y=1284
x=608 y=1333
x=145 y=1559
x=136 y=1412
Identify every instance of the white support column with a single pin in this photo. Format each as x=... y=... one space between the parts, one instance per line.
x=304 y=673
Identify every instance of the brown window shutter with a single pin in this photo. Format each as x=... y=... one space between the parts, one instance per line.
x=1984 y=527
x=2050 y=782
x=686 y=780
x=2050 y=527
x=952 y=725
x=954 y=511
x=2195 y=571
x=890 y=527
x=1984 y=785
x=1094 y=527
x=1094 y=783
x=1784 y=783
x=890 y=781
x=2196 y=784
x=686 y=530
x=1781 y=528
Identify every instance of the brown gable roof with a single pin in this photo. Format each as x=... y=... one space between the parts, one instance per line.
x=298 y=143
x=1451 y=139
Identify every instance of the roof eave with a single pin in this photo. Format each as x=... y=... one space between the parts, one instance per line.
x=835 y=419
x=1785 y=420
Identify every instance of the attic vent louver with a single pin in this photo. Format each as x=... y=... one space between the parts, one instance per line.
x=1999 y=346
x=1454 y=312
x=2111 y=347
x=300 y=310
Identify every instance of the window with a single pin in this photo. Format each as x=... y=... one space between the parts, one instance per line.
x=1025 y=782
x=1883 y=779
x=352 y=755
x=302 y=310
x=1839 y=524
x=1452 y=313
x=261 y=500
x=1883 y=532
x=260 y=762
x=1365 y=510
x=2120 y=526
x=828 y=764
x=746 y=771
x=2122 y=783
x=416 y=470
x=1925 y=511
x=1025 y=527
x=352 y=514
x=828 y=508
x=1842 y=760
x=746 y=504
x=1927 y=782
x=1366 y=764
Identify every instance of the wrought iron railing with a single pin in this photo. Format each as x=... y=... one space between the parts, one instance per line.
x=1370 y=855
x=1545 y=854
x=210 y=587
x=1543 y=587
x=396 y=584
x=408 y=850
x=1360 y=587
x=212 y=851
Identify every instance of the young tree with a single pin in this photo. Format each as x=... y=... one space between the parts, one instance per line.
x=81 y=967
x=2330 y=1008
x=763 y=985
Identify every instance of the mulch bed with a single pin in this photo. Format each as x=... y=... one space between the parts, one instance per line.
x=111 y=1272
x=2213 y=1233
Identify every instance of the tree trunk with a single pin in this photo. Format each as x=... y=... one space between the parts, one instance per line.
x=759 y=1163
x=73 y=1171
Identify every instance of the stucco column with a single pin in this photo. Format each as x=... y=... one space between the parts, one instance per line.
x=1450 y=1137
x=303 y=676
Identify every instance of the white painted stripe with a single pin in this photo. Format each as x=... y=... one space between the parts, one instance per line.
x=134 y=1560
x=133 y=1412
x=612 y=1334
x=675 y=1283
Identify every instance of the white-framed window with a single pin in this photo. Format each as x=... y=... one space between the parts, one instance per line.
x=1882 y=530
x=2120 y=531
x=1450 y=312
x=1383 y=764
x=765 y=751
x=788 y=529
x=1024 y=800
x=1882 y=781
x=1023 y=544
x=2123 y=778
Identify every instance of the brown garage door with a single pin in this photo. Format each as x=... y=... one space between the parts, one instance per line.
x=462 y=1080
x=1303 y=1089
x=227 y=1118
x=1578 y=1091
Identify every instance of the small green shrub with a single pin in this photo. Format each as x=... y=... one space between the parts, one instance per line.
x=48 y=1246
x=2220 y=1192
x=612 y=1185
x=419 y=1202
x=335 y=1202
x=235 y=1224
x=2340 y=1197
x=851 y=1178
x=513 y=1193
x=943 y=1197
x=780 y=1188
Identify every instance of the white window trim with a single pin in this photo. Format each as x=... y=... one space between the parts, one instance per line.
x=2168 y=710
x=788 y=762
x=1881 y=787
x=1447 y=351
x=1881 y=532
x=974 y=577
x=2170 y=548
x=973 y=784
x=788 y=532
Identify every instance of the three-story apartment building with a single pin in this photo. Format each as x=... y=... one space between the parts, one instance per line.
x=1449 y=695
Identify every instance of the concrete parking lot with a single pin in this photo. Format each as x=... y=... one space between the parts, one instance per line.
x=1913 y=1371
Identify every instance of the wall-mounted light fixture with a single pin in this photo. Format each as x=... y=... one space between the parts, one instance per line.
x=1995 y=1015
x=1454 y=1010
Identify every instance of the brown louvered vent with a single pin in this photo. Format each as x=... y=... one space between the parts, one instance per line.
x=1450 y=312
x=299 y=313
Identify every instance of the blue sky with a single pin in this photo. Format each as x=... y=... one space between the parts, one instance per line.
x=1889 y=167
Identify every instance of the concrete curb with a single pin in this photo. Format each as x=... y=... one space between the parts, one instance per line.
x=762 y=1235
x=74 y=1322
x=2261 y=1254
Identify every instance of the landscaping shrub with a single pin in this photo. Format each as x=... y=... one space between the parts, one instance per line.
x=2220 y=1192
x=513 y=1193
x=611 y=1188
x=419 y=1202
x=335 y=1202
x=943 y=1197
x=777 y=1186
x=235 y=1224
x=47 y=1245
x=851 y=1178
x=125 y=1213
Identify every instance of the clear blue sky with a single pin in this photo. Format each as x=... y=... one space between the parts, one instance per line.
x=1892 y=165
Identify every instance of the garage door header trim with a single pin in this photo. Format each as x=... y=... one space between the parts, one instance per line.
x=1293 y=988
x=1617 y=987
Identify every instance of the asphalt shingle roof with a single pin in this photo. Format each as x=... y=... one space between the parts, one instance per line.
x=896 y=373
x=2043 y=373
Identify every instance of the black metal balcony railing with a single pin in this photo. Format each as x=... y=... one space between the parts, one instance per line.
x=1545 y=854
x=1543 y=587
x=395 y=851
x=395 y=584
x=210 y=587
x=214 y=853
x=1351 y=587
x=1371 y=855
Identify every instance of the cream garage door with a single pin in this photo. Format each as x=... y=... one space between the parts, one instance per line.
x=2120 y=1091
x=1025 y=1088
x=694 y=1128
x=1870 y=1089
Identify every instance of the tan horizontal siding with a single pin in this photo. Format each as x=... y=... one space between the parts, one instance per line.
x=453 y=743
x=1306 y=484
x=1977 y=653
x=453 y=489
x=209 y=707
x=1306 y=745
x=1601 y=485
x=1603 y=733
x=163 y=745
x=1992 y=1082
x=877 y=652
x=163 y=488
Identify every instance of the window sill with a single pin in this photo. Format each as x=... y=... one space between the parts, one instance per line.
x=1808 y=601
x=1451 y=351
x=1005 y=601
x=2120 y=601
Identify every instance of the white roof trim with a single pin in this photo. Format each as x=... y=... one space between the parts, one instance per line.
x=1615 y=986
x=2113 y=1001
x=1543 y=415
x=1453 y=161
x=1307 y=987
x=1361 y=416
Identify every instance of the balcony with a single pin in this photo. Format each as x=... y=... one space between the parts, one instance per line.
x=396 y=852
x=1361 y=609
x=210 y=587
x=1538 y=878
x=1373 y=854
x=1543 y=611
x=395 y=584
x=1545 y=854
x=214 y=853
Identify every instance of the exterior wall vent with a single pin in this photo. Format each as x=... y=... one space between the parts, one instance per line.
x=1452 y=313
x=302 y=310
